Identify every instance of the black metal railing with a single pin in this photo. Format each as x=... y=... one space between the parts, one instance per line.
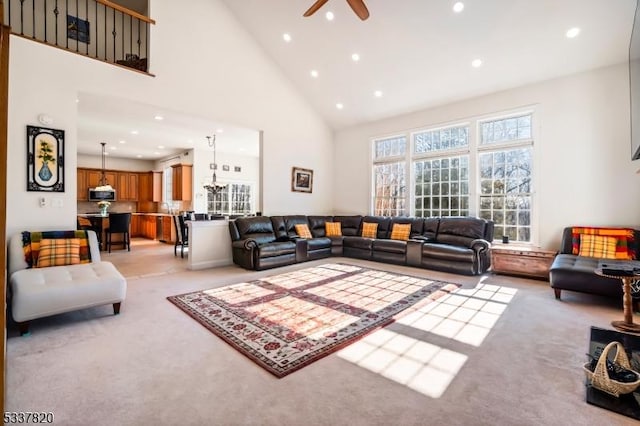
x=99 y=29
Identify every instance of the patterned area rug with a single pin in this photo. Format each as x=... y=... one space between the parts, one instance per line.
x=287 y=321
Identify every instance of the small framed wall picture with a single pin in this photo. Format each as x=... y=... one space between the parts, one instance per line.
x=301 y=180
x=213 y=166
x=237 y=169
x=225 y=167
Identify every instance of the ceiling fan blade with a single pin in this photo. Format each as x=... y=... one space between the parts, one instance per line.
x=359 y=8
x=314 y=8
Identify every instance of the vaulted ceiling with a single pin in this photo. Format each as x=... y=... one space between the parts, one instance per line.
x=418 y=53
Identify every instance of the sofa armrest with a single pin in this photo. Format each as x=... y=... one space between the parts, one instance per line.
x=479 y=245
x=247 y=244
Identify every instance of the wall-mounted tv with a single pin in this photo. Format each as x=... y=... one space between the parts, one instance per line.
x=634 y=83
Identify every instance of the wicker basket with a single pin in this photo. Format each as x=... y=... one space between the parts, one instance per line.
x=600 y=377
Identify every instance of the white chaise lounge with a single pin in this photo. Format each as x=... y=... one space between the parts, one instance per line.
x=41 y=292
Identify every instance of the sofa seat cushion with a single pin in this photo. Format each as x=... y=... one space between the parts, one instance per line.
x=47 y=291
x=318 y=243
x=447 y=252
x=357 y=242
x=390 y=246
x=577 y=273
x=276 y=249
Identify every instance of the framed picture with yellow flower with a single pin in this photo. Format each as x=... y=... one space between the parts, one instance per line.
x=45 y=159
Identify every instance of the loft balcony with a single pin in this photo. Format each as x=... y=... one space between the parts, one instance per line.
x=98 y=29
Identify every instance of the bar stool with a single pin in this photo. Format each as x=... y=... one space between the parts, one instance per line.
x=119 y=224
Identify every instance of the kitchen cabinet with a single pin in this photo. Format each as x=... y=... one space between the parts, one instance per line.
x=182 y=182
x=168 y=230
x=127 y=186
x=150 y=187
x=94 y=178
x=135 y=226
x=83 y=188
x=148 y=226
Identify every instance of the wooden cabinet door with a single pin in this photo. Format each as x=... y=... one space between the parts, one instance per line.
x=94 y=178
x=182 y=182
x=144 y=187
x=167 y=225
x=135 y=225
x=132 y=179
x=156 y=185
x=122 y=187
x=82 y=186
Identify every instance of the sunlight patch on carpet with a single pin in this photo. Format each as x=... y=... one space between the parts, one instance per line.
x=465 y=315
x=421 y=366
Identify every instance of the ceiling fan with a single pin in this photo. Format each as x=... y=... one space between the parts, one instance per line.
x=357 y=5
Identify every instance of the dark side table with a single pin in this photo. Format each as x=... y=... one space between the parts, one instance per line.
x=627 y=280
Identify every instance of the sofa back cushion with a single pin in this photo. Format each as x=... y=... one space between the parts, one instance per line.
x=430 y=227
x=350 y=225
x=290 y=223
x=259 y=228
x=384 y=225
x=460 y=231
x=279 y=228
x=316 y=225
x=417 y=225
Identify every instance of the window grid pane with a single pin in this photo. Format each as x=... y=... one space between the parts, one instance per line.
x=389 y=189
x=235 y=199
x=441 y=186
x=390 y=147
x=506 y=129
x=441 y=139
x=505 y=192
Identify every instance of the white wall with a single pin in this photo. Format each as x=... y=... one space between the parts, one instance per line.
x=583 y=169
x=223 y=74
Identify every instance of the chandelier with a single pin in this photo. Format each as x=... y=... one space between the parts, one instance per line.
x=214 y=187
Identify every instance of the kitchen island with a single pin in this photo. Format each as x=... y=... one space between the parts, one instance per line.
x=209 y=244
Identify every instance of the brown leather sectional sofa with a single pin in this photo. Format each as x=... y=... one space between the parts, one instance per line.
x=450 y=244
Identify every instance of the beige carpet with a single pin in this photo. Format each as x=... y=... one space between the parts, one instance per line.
x=515 y=362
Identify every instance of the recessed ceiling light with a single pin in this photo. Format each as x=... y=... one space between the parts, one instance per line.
x=286 y=37
x=476 y=63
x=573 y=32
x=123 y=141
x=220 y=130
x=160 y=146
x=314 y=74
x=156 y=153
x=159 y=117
x=377 y=93
x=77 y=100
x=458 y=7
x=355 y=57
x=134 y=132
x=106 y=153
x=139 y=155
x=113 y=148
x=190 y=141
x=339 y=106
x=329 y=16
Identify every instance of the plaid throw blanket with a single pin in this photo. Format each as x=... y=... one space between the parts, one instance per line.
x=31 y=244
x=624 y=240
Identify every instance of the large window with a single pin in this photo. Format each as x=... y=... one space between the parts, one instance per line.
x=389 y=177
x=506 y=164
x=235 y=199
x=482 y=167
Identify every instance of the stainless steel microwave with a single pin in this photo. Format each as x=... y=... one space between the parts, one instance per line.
x=95 y=195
